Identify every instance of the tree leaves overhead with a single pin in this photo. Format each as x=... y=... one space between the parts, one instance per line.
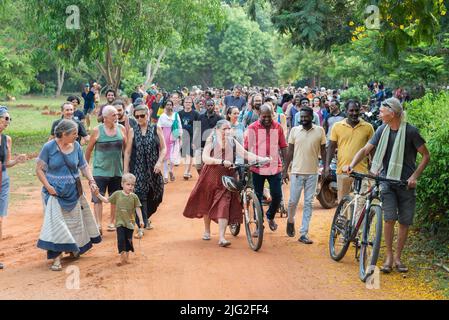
x=318 y=24
x=114 y=31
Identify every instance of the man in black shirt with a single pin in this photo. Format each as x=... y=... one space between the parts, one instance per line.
x=67 y=113
x=188 y=116
x=207 y=121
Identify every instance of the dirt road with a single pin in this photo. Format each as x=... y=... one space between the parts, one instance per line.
x=172 y=262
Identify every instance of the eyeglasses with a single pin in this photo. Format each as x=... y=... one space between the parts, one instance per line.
x=140 y=116
x=7 y=118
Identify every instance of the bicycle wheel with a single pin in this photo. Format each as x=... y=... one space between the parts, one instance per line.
x=371 y=238
x=253 y=219
x=235 y=229
x=340 y=229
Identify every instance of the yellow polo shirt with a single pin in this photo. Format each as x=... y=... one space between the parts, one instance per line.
x=349 y=141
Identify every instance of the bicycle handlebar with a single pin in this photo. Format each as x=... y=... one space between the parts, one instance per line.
x=249 y=165
x=357 y=175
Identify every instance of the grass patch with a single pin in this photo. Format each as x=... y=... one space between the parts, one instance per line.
x=425 y=253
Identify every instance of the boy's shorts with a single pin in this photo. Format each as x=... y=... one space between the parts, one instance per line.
x=124 y=239
x=398 y=203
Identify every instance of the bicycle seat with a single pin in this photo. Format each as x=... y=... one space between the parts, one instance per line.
x=232 y=184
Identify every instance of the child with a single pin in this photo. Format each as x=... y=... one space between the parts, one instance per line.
x=127 y=203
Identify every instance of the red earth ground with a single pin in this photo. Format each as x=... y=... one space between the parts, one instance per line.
x=172 y=262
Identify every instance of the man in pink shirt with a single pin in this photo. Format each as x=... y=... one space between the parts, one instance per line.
x=266 y=138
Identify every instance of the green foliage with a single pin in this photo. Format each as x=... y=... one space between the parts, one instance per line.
x=321 y=24
x=16 y=72
x=430 y=114
x=239 y=53
x=113 y=32
x=359 y=93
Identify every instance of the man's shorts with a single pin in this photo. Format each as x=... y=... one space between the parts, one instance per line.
x=111 y=184
x=87 y=111
x=398 y=203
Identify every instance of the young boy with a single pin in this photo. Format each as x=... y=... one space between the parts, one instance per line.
x=127 y=203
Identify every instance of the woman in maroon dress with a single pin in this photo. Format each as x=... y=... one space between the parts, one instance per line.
x=210 y=199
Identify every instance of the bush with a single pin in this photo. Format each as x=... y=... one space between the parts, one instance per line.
x=431 y=115
x=360 y=93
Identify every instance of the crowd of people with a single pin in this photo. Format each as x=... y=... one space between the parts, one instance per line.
x=139 y=140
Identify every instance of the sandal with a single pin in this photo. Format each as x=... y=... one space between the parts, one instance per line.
x=224 y=243
x=206 y=236
x=186 y=176
x=172 y=176
x=56 y=266
x=401 y=268
x=386 y=268
x=165 y=180
x=111 y=227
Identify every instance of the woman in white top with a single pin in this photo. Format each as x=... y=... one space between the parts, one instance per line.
x=172 y=135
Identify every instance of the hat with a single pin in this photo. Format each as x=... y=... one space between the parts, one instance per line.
x=138 y=102
x=394 y=104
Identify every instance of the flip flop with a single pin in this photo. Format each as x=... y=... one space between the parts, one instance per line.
x=224 y=243
x=386 y=269
x=206 y=236
x=56 y=267
x=401 y=268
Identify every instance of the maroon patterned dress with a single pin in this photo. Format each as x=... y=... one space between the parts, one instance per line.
x=211 y=198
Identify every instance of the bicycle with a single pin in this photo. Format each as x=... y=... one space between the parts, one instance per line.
x=349 y=216
x=252 y=210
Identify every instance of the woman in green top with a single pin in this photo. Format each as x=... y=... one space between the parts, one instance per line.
x=108 y=139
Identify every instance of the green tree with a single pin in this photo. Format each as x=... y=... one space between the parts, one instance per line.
x=114 y=32
x=239 y=53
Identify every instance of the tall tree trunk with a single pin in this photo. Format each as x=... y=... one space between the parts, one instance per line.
x=61 y=75
x=151 y=71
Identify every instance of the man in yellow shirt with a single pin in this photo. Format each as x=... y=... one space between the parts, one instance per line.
x=348 y=136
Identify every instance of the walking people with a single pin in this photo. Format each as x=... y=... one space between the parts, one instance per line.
x=89 y=102
x=78 y=115
x=67 y=113
x=107 y=142
x=69 y=225
x=110 y=98
x=188 y=117
x=127 y=204
x=396 y=144
x=171 y=126
x=335 y=115
x=6 y=161
x=307 y=143
x=266 y=138
x=209 y=199
x=207 y=121
x=348 y=136
x=122 y=118
x=236 y=99
x=144 y=155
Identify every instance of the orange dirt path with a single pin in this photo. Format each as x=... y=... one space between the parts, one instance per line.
x=172 y=262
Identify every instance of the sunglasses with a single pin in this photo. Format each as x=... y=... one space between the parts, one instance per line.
x=7 y=118
x=140 y=116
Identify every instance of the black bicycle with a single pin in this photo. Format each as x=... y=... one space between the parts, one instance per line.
x=349 y=216
x=252 y=210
